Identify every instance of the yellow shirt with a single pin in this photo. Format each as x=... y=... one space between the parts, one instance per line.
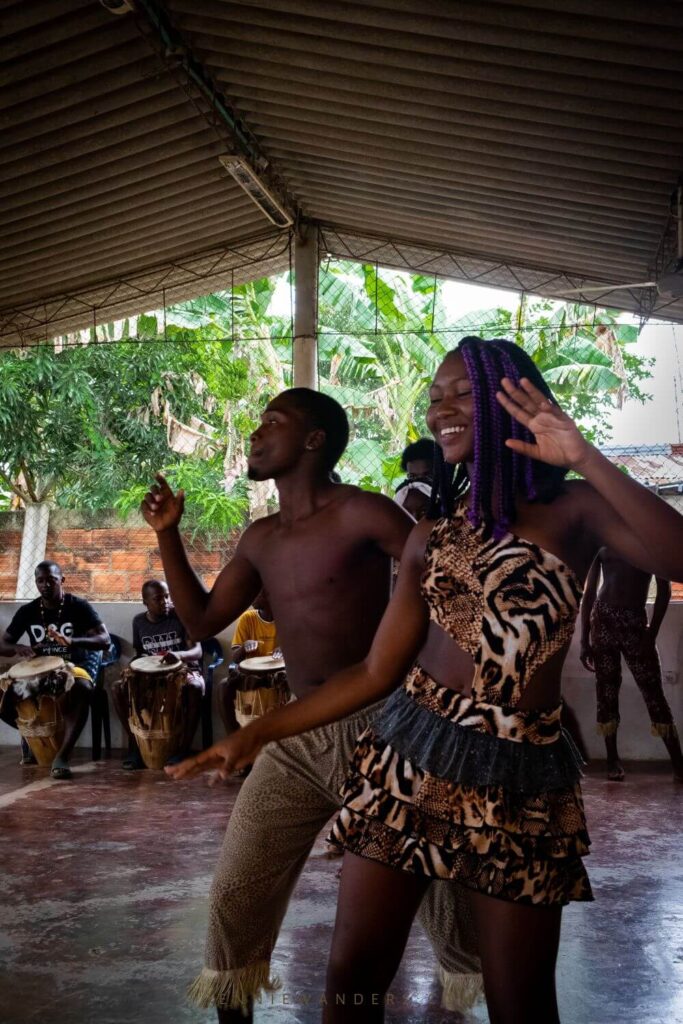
x=250 y=626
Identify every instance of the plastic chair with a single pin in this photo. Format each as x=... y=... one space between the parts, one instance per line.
x=213 y=657
x=99 y=708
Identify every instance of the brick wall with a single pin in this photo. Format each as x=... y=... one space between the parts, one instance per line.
x=103 y=558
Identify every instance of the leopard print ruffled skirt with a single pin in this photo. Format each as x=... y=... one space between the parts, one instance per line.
x=447 y=787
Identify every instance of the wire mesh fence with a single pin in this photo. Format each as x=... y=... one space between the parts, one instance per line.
x=86 y=421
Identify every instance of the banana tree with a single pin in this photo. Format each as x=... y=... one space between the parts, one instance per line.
x=383 y=333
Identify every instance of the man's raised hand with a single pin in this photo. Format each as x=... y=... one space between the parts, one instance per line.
x=161 y=508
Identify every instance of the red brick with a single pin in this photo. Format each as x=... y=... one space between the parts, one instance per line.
x=76 y=540
x=110 y=539
x=141 y=537
x=130 y=560
x=78 y=583
x=65 y=559
x=111 y=584
x=92 y=560
x=8 y=586
x=10 y=539
x=9 y=561
x=207 y=560
x=135 y=581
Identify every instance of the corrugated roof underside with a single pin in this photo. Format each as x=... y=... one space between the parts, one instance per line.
x=545 y=134
x=106 y=166
x=494 y=126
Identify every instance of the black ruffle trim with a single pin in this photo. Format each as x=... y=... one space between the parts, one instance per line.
x=465 y=755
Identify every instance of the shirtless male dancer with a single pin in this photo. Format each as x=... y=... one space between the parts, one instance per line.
x=614 y=622
x=324 y=559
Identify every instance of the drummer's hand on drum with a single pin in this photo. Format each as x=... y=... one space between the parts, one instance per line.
x=226 y=757
x=23 y=651
x=250 y=646
x=161 y=508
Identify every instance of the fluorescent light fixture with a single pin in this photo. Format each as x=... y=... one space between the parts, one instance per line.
x=247 y=178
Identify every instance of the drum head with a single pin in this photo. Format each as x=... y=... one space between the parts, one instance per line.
x=155 y=663
x=266 y=664
x=32 y=667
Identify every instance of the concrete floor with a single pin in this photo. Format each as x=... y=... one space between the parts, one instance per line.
x=105 y=882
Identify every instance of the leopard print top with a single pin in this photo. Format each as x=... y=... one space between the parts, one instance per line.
x=507 y=602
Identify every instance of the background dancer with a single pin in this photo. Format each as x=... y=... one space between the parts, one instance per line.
x=614 y=622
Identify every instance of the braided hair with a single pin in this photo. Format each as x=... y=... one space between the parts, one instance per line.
x=500 y=475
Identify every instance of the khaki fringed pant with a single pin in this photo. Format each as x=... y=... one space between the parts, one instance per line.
x=284 y=803
x=616 y=631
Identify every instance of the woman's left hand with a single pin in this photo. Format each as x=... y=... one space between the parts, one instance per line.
x=236 y=751
x=559 y=442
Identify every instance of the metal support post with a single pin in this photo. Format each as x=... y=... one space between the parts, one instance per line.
x=305 y=353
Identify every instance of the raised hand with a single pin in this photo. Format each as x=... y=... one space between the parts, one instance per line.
x=559 y=442
x=161 y=508
x=57 y=637
x=226 y=757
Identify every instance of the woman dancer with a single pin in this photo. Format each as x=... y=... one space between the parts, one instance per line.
x=466 y=774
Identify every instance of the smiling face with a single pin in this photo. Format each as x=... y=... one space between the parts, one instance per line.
x=279 y=443
x=450 y=416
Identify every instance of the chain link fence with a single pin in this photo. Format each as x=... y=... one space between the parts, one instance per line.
x=86 y=421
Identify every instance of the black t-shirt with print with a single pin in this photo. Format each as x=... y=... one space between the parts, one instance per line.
x=168 y=634
x=76 y=618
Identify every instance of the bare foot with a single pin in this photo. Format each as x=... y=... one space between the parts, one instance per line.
x=615 y=771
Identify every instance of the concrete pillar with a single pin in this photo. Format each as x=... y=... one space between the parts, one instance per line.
x=305 y=349
x=33 y=547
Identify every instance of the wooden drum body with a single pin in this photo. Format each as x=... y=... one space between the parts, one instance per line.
x=40 y=722
x=37 y=684
x=261 y=687
x=156 y=709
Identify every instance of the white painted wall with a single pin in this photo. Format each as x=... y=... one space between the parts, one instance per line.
x=635 y=740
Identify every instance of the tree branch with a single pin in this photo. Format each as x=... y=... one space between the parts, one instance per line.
x=30 y=483
x=15 y=488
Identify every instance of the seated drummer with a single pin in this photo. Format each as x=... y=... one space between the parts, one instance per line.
x=58 y=624
x=255 y=637
x=158 y=630
x=255 y=633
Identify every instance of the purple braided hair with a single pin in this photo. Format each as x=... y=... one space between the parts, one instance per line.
x=471 y=367
x=499 y=475
x=490 y=360
x=519 y=433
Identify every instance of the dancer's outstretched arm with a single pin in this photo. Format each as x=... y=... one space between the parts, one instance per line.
x=398 y=640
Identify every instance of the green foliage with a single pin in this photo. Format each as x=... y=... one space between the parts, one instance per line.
x=86 y=425
x=383 y=334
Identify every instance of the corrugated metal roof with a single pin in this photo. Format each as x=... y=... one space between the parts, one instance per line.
x=540 y=134
x=659 y=466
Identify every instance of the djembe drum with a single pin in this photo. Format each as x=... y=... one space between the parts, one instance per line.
x=37 y=683
x=261 y=687
x=156 y=709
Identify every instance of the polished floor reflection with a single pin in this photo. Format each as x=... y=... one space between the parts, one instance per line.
x=105 y=880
